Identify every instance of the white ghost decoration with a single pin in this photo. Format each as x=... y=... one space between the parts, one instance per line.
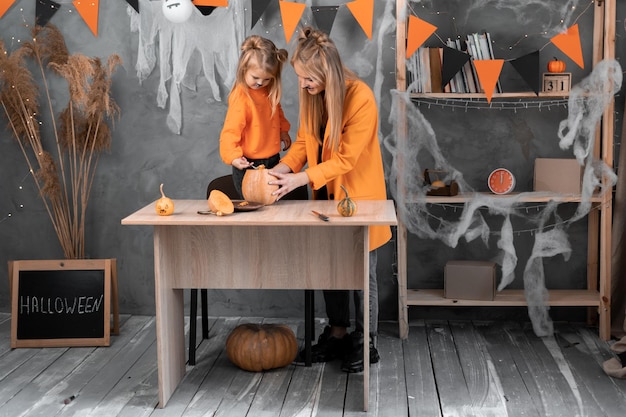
x=177 y=11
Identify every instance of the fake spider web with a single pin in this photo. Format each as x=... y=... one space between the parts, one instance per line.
x=415 y=136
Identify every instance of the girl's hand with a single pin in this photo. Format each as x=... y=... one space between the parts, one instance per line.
x=241 y=163
x=285 y=139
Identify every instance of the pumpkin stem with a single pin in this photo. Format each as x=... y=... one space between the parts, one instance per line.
x=344 y=190
x=162 y=193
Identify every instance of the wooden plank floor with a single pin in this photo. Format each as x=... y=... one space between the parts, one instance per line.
x=443 y=369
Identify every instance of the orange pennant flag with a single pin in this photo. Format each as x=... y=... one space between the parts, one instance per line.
x=216 y=3
x=363 y=12
x=4 y=6
x=569 y=44
x=291 y=13
x=88 y=10
x=488 y=71
x=419 y=30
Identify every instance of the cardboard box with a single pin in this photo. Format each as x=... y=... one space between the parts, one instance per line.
x=563 y=176
x=470 y=280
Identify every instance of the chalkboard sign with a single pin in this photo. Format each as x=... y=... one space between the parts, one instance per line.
x=60 y=302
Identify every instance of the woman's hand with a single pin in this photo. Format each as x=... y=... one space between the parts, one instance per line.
x=287 y=181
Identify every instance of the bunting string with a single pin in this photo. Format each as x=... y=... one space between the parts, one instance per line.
x=481 y=104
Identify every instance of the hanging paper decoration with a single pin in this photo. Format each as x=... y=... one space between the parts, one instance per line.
x=205 y=9
x=291 y=13
x=44 y=10
x=215 y=3
x=527 y=67
x=4 y=6
x=258 y=8
x=88 y=10
x=569 y=44
x=453 y=61
x=418 y=31
x=205 y=47
x=134 y=4
x=324 y=17
x=177 y=11
x=488 y=71
x=363 y=12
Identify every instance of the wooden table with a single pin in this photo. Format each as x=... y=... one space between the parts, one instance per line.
x=282 y=246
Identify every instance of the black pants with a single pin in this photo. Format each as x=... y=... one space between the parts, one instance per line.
x=238 y=174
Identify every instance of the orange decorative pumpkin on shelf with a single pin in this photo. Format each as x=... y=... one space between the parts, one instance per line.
x=259 y=347
x=556 y=66
x=164 y=205
x=256 y=188
x=220 y=204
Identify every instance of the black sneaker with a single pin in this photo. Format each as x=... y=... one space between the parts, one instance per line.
x=353 y=362
x=328 y=348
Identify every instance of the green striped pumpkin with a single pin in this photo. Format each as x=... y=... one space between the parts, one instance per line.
x=346 y=207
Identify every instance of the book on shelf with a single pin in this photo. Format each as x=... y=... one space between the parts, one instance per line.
x=425 y=66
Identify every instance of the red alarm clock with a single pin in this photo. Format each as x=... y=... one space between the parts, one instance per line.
x=501 y=181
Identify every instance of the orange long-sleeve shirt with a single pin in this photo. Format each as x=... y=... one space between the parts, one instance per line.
x=249 y=129
x=357 y=164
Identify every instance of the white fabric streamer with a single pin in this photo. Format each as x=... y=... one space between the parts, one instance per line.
x=202 y=44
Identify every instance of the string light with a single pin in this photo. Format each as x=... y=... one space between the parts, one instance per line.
x=481 y=104
x=523 y=38
x=532 y=231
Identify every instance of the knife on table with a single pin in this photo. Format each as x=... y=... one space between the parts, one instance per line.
x=321 y=216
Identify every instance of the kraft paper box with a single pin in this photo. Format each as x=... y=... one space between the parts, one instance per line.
x=470 y=280
x=562 y=176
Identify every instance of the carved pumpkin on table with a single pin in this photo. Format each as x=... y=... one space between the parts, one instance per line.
x=256 y=188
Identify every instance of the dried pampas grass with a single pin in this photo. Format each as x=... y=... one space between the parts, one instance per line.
x=64 y=176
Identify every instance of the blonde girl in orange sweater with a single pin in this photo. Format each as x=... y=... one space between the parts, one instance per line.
x=255 y=126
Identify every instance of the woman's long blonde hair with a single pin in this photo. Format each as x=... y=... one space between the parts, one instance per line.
x=269 y=58
x=319 y=58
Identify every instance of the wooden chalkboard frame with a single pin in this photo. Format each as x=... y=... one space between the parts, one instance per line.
x=107 y=266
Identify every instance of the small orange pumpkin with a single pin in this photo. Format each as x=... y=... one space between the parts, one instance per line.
x=219 y=203
x=164 y=205
x=346 y=207
x=259 y=347
x=556 y=65
x=256 y=188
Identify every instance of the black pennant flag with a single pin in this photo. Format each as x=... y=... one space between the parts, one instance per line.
x=44 y=11
x=528 y=67
x=134 y=4
x=205 y=10
x=258 y=8
x=453 y=61
x=324 y=17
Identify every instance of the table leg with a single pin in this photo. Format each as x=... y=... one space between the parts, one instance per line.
x=366 y=330
x=308 y=326
x=170 y=321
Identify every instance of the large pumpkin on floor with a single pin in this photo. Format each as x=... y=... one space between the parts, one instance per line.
x=260 y=347
x=255 y=186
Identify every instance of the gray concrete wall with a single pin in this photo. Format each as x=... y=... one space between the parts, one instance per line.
x=146 y=153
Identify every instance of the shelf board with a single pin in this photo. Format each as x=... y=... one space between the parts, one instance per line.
x=465 y=96
x=526 y=197
x=504 y=298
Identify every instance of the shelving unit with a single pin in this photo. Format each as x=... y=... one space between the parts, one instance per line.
x=597 y=295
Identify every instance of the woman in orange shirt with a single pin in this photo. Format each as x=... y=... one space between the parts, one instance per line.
x=338 y=139
x=255 y=126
